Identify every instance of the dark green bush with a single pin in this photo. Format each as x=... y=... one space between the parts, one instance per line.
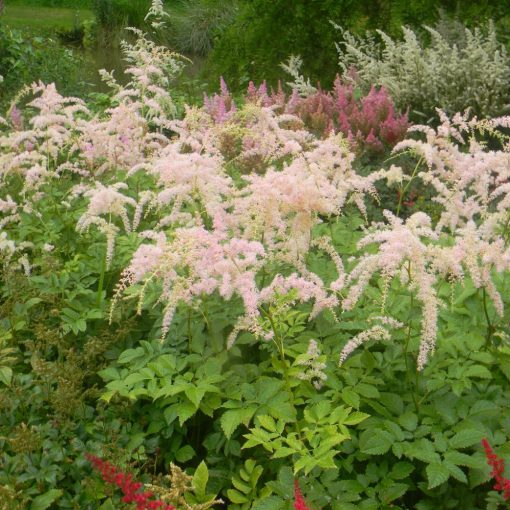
x=266 y=32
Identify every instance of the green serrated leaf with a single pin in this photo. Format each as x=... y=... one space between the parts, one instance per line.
x=478 y=371
x=195 y=394
x=355 y=418
x=466 y=438
x=44 y=501
x=401 y=470
x=395 y=491
x=367 y=390
x=282 y=452
x=184 y=411
x=236 y=497
x=351 y=398
x=267 y=422
x=462 y=459
x=185 y=453
x=423 y=450
x=269 y=503
x=376 y=442
x=456 y=472
x=6 y=375
x=232 y=418
x=131 y=354
x=408 y=420
x=394 y=429
x=437 y=474
x=241 y=486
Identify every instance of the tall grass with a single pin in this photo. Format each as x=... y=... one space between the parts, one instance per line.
x=195 y=24
x=113 y=16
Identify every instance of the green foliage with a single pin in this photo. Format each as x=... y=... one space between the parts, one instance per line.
x=25 y=59
x=243 y=422
x=265 y=33
x=376 y=434
x=245 y=484
x=83 y=4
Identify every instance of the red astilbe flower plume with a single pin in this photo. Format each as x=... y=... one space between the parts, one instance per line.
x=498 y=467
x=130 y=488
x=299 y=501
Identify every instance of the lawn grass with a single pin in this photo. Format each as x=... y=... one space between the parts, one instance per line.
x=17 y=15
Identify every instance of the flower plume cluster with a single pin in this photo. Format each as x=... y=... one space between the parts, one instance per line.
x=498 y=468
x=130 y=489
x=299 y=501
x=370 y=123
x=228 y=201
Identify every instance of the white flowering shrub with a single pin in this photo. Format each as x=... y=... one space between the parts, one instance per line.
x=441 y=74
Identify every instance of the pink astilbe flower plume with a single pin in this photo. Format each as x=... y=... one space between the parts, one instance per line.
x=106 y=200
x=498 y=468
x=404 y=254
x=220 y=106
x=299 y=501
x=131 y=490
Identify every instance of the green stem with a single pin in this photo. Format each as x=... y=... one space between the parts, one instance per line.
x=285 y=369
x=406 y=187
x=101 y=281
x=190 y=335
x=490 y=327
x=406 y=348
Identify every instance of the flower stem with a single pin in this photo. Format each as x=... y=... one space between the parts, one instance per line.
x=490 y=327
x=406 y=187
x=101 y=280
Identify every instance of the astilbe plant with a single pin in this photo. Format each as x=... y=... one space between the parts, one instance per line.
x=206 y=231
x=469 y=239
x=266 y=219
x=212 y=232
x=34 y=153
x=370 y=123
x=61 y=138
x=255 y=136
x=273 y=215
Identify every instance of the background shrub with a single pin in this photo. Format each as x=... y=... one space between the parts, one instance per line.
x=266 y=32
x=477 y=68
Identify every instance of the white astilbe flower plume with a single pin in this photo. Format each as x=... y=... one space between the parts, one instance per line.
x=467 y=183
x=106 y=200
x=313 y=365
x=378 y=332
x=402 y=253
